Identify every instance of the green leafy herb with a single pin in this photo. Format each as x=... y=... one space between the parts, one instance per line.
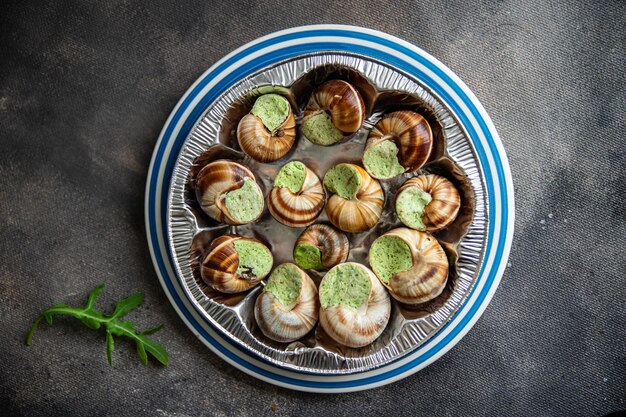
x=95 y=319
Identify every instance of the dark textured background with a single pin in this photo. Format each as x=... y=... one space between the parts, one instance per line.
x=85 y=88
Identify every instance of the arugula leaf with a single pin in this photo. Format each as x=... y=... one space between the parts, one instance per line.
x=152 y=330
x=110 y=346
x=95 y=319
x=127 y=304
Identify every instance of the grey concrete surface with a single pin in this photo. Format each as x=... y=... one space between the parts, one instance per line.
x=85 y=88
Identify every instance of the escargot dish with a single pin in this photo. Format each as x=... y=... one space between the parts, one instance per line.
x=401 y=141
x=335 y=111
x=235 y=264
x=297 y=197
x=355 y=307
x=356 y=203
x=326 y=213
x=227 y=191
x=268 y=132
x=320 y=247
x=428 y=202
x=411 y=264
x=287 y=309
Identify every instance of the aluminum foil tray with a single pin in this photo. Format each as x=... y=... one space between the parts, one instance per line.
x=384 y=88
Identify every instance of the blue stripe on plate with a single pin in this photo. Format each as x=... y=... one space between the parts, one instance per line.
x=284 y=54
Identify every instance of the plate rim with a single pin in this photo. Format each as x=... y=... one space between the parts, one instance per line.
x=498 y=264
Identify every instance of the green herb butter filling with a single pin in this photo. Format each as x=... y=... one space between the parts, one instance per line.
x=343 y=180
x=389 y=255
x=410 y=206
x=320 y=130
x=382 y=160
x=291 y=176
x=272 y=109
x=285 y=284
x=345 y=285
x=254 y=258
x=246 y=203
x=308 y=257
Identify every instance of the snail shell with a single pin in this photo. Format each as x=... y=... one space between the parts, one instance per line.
x=425 y=274
x=287 y=309
x=358 y=211
x=346 y=322
x=261 y=136
x=445 y=202
x=412 y=140
x=334 y=111
x=214 y=185
x=235 y=264
x=298 y=197
x=321 y=247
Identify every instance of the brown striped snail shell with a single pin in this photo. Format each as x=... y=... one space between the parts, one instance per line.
x=356 y=326
x=361 y=212
x=444 y=205
x=291 y=319
x=344 y=106
x=267 y=143
x=427 y=276
x=412 y=135
x=216 y=180
x=320 y=247
x=223 y=267
x=297 y=208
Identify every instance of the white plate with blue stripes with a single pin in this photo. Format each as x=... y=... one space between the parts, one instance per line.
x=431 y=73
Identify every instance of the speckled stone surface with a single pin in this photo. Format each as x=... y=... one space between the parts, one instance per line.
x=85 y=88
